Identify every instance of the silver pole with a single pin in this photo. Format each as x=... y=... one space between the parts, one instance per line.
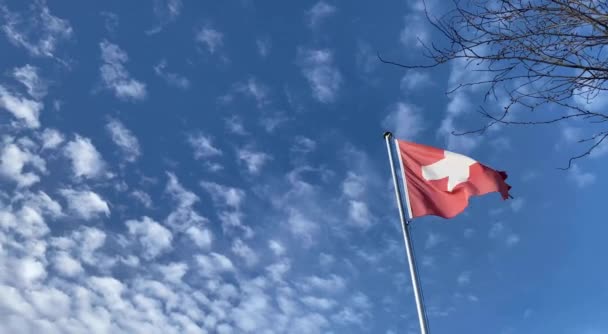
x=406 y=238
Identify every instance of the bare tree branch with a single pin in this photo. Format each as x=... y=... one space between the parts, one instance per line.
x=537 y=53
x=586 y=153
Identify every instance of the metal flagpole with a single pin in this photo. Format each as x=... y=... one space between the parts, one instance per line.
x=406 y=238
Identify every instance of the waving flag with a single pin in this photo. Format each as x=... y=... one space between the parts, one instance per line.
x=439 y=182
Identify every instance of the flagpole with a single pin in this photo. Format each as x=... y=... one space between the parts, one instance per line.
x=407 y=240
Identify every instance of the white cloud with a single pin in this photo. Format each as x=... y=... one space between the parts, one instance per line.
x=253 y=313
x=234 y=124
x=245 y=252
x=210 y=38
x=51 y=303
x=319 y=12
x=124 y=139
x=203 y=146
x=303 y=145
x=414 y=80
x=86 y=160
x=167 y=10
x=42 y=203
x=13 y=301
x=214 y=264
x=173 y=272
x=462 y=72
x=232 y=220
x=224 y=196
x=512 y=240
x=256 y=90
x=271 y=121
x=309 y=323
x=28 y=76
x=473 y=298
x=22 y=108
x=459 y=103
x=366 y=58
x=38 y=31
x=501 y=144
x=572 y=134
x=182 y=197
x=110 y=21
x=360 y=301
x=499 y=230
x=202 y=238
x=30 y=271
x=185 y=218
x=580 y=178
x=154 y=238
x=213 y=166
x=13 y=161
x=142 y=197
x=171 y=78
x=27 y=222
x=348 y=316
x=80 y=295
x=331 y=284
x=415 y=31
x=85 y=204
x=302 y=227
x=259 y=312
x=322 y=304
x=433 y=240
x=464 y=278
x=405 y=120
x=91 y=301
x=87 y=242
x=108 y=288
x=353 y=185
x=517 y=204
x=460 y=144
x=224 y=329
x=253 y=160
x=322 y=75
x=66 y=265
x=263 y=45
x=496 y=230
x=303 y=206
x=116 y=77
x=326 y=260
x=51 y=139
x=276 y=247
x=278 y=270
x=359 y=213
x=428 y=261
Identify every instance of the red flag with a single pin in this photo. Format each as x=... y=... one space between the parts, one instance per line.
x=440 y=182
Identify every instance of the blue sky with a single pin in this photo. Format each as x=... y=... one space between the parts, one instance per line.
x=177 y=166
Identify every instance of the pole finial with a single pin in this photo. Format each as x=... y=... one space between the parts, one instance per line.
x=388 y=134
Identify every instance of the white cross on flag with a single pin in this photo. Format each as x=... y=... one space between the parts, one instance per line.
x=440 y=182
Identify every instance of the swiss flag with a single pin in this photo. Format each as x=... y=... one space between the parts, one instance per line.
x=440 y=182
